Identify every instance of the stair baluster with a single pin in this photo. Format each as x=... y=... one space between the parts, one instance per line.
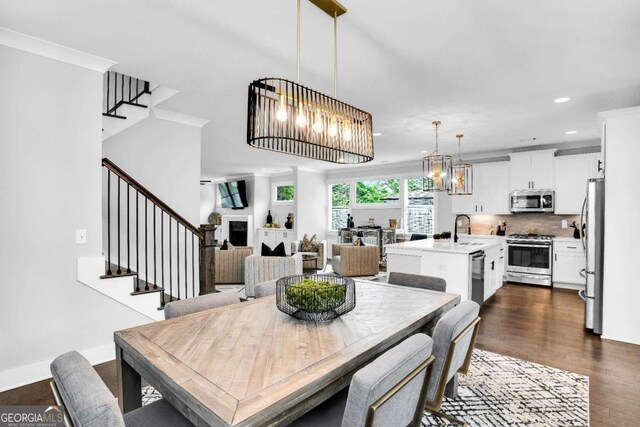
x=178 y=258
x=146 y=264
x=128 y=232
x=137 y=279
x=186 y=283
x=162 y=302
x=193 y=269
x=155 y=271
x=119 y=271
x=109 y=273
x=170 y=266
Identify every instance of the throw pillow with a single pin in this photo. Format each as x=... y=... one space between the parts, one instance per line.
x=309 y=244
x=279 y=250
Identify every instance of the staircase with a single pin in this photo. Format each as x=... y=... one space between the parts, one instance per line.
x=127 y=101
x=153 y=255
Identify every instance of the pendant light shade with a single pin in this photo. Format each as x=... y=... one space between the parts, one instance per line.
x=313 y=125
x=461 y=175
x=436 y=168
x=287 y=117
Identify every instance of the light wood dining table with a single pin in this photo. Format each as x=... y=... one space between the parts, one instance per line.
x=249 y=364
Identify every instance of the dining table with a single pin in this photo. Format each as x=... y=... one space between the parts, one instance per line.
x=249 y=364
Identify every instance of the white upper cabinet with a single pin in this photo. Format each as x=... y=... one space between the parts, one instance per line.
x=572 y=173
x=490 y=191
x=532 y=170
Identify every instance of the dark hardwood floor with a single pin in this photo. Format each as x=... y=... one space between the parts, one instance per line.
x=532 y=323
x=546 y=326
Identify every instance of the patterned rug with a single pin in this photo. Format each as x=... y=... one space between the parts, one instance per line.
x=504 y=391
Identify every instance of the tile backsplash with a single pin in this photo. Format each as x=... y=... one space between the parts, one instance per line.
x=524 y=223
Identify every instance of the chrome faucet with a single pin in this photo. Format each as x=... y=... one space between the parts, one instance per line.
x=455 y=227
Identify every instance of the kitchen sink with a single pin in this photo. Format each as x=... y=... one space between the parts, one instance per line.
x=470 y=243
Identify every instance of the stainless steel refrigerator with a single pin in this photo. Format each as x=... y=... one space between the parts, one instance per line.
x=593 y=243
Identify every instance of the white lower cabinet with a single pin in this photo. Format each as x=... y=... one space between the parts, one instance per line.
x=568 y=260
x=272 y=237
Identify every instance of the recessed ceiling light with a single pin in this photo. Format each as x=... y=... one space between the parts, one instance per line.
x=377 y=134
x=571 y=132
x=384 y=161
x=562 y=99
x=425 y=151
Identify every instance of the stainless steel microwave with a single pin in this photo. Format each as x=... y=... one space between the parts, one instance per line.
x=532 y=201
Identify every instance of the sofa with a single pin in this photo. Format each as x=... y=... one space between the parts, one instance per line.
x=230 y=264
x=258 y=269
x=350 y=260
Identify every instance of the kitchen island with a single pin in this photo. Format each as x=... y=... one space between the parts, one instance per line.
x=452 y=262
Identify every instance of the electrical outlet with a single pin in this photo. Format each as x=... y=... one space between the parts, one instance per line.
x=564 y=223
x=459 y=223
x=442 y=267
x=81 y=236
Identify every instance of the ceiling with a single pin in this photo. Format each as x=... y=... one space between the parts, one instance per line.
x=490 y=69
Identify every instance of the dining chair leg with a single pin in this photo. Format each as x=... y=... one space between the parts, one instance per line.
x=447 y=417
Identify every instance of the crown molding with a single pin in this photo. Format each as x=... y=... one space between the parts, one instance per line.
x=55 y=51
x=184 y=119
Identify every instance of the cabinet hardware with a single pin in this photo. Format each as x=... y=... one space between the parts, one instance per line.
x=493 y=265
x=476 y=208
x=555 y=256
x=572 y=247
x=600 y=166
x=481 y=208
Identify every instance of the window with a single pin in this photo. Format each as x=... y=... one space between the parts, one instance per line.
x=339 y=205
x=384 y=191
x=284 y=193
x=420 y=210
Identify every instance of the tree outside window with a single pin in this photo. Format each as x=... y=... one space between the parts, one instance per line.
x=378 y=191
x=284 y=193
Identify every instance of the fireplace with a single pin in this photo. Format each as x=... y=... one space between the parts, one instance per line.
x=238 y=233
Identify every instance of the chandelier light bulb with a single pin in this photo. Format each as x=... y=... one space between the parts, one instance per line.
x=346 y=134
x=317 y=124
x=301 y=119
x=333 y=129
x=281 y=114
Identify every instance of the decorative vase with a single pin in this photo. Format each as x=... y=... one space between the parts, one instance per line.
x=289 y=223
x=269 y=217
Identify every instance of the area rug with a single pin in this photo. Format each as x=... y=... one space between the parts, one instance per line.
x=504 y=391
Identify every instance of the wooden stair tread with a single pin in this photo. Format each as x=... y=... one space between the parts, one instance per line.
x=142 y=285
x=114 y=269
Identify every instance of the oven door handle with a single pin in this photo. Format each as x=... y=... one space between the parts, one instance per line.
x=522 y=245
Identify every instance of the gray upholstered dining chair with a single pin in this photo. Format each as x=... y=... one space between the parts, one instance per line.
x=417 y=281
x=265 y=289
x=454 y=338
x=391 y=390
x=201 y=303
x=88 y=401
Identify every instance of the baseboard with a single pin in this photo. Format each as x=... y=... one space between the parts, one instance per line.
x=568 y=286
x=34 y=372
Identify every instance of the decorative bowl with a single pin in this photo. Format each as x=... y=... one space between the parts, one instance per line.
x=315 y=297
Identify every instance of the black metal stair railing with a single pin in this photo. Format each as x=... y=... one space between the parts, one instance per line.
x=146 y=230
x=122 y=90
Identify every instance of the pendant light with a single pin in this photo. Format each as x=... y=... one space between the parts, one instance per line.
x=461 y=175
x=287 y=117
x=436 y=168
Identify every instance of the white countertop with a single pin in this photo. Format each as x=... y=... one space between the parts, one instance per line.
x=430 y=245
x=565 y=239
x=481 y=236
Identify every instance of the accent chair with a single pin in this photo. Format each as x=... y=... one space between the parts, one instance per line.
x=322 y=254
x=201 y=303
x=390 y=391
x=260 y=269
x=351 y=261
x=230 y=264
x=88 y=401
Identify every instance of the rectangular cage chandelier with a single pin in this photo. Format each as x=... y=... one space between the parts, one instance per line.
x=287 y=117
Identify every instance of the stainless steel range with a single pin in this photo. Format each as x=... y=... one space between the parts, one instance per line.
x=529 y=258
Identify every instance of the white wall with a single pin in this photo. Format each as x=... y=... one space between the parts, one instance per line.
x=281 y=210
x=311 y=200
x=207 y=201
x=50 y=185
x=261 y=199
x=621 y=309
x=163 y=156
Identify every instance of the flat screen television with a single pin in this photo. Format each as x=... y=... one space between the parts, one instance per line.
x=233 y=195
